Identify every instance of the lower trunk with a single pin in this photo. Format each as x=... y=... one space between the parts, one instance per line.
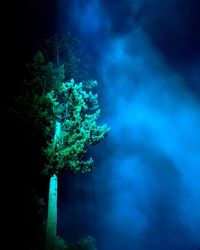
x=52 y=214
x=52 y=202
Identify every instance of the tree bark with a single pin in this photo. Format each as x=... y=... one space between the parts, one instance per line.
x=52 y=213
x=52 y=202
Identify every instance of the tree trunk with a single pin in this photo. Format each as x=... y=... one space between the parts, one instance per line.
x=52 y=213
x=52 y=202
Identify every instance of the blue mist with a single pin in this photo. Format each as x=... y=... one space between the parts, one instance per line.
x=144 y=191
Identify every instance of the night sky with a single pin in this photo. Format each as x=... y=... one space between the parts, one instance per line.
x=144 y=190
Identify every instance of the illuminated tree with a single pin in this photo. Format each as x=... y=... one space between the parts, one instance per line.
x=67 y=113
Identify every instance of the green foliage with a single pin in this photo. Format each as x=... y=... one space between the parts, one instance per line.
x=77 y=111
x=73 y=105
x=33 y=104
x=60 y=244
x=86 y=243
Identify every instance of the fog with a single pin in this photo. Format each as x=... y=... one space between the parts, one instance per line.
x=144 y=190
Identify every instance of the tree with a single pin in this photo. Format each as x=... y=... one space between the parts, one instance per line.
x=68 y=51
x=66 y=112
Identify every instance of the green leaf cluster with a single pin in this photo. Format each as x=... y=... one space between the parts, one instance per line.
x=77 y=111
x=70 y=104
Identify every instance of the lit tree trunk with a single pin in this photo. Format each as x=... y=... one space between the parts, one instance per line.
x=52 y=213
x=52 y=203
